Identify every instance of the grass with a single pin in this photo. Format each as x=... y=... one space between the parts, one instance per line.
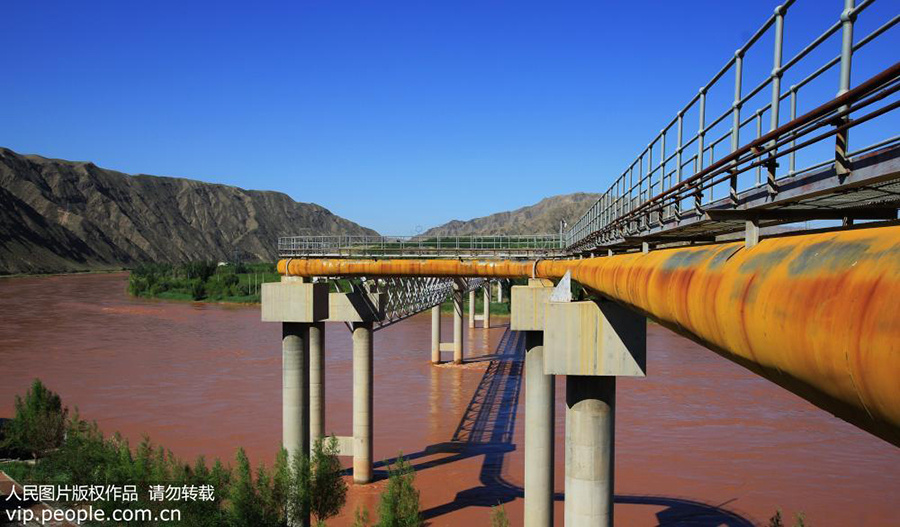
x=496 y=308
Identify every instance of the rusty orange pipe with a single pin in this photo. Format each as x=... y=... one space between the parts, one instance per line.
x=814 y=313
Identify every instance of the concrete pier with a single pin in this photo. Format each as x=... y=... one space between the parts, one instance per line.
x=457 y=323
x=316 y=381
x=486 y=310
x=528 y=305
x=295 y=387
x=471 y=309
x=436 y=334
x=590 y=456
x=539 y=434
x=298 y=306
x=591 y=343
x=362 y=402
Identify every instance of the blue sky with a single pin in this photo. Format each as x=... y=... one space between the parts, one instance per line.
x=396 y=114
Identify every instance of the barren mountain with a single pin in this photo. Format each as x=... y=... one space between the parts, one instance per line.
x=60 y=216
x=540 y=218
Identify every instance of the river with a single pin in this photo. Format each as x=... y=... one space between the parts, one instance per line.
x=700 y=441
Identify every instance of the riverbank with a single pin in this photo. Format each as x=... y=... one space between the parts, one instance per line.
x=202 y=281
x=64 y=273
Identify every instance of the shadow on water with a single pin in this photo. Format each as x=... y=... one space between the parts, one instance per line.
x=486 y=429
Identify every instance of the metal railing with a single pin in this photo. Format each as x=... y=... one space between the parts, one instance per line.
x=416 y=246
x=683 y=181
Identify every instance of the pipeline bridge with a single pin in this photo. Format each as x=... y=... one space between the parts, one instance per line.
x=768 y=236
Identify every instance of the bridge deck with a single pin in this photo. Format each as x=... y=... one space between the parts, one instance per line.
x=422 y=246
x=870 y=191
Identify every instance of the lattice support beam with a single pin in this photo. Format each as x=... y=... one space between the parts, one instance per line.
x=408 y=296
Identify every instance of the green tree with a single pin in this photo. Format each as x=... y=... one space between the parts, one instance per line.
x=281 y=482
x=39 y=424
x=271 y=504
x=245 y=509
x=399 y=506
x=328 y=491
x=298 y=492
x=205 y=513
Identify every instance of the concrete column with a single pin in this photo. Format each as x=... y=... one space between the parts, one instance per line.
x=539 y=434
x=295 y=387
x=486 y=318
x=457 y=323
x=590 y=444
x=316 y=381
x=436 y=334
x=471 y=309
x=362 y=402
x=500 y=291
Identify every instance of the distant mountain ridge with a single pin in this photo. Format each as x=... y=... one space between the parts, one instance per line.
x=60 y=216
x=540 y=218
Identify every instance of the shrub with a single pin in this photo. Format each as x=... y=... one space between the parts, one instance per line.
x=361 y=517
x=39 y=424
x=198 y=290
x=245 y=506
x=201 y=270
x=498 y=516
x=328 y=491
x=399 y=506
x=137 y=285
x=776 y=521
x=298 y=495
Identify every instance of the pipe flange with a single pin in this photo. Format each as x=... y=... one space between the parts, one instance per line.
x=534 y=268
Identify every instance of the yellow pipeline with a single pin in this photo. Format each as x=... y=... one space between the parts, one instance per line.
x=815 y=313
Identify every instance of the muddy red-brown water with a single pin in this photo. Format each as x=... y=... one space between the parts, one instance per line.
x=700 y=441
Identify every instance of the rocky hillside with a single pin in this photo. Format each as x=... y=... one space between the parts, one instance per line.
x=58 y=216
x=540 y=218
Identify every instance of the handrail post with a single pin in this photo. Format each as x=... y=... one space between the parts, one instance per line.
x=662 y=169
x=650 y=170
x=678 y=160
x=772 y=165
x=631 y=187
x=641 y=178
x=841 y=145
x=793 y=156
x=758 y=135
x=701 y=133
x=698 y=194
x=736 y=120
